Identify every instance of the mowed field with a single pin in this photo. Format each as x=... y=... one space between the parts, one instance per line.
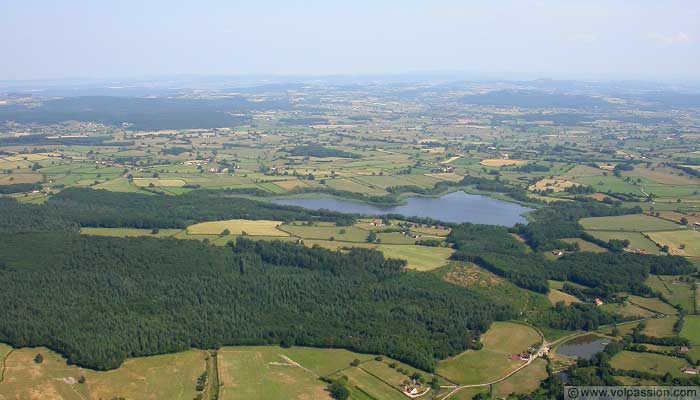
x=653 y=304
x=681 y=243
x=421 y=258
x=171 y=376
x=629 y=223
x=128 y=232
x=525 y=381
x=264 y=373
x=555 y=296
x=675 y=291
x=654 y=363
x=691 y=329
x=238 y=227
x=501 y=341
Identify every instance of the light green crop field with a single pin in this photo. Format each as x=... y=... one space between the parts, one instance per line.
x=421 y=258
x=675 y=291
x=681 y=243
x=555 y=296
x=659 y=327
x=525 y=381
x=237 y=227
x=585 y=245
x=649 y=362
x=627 y=310
x=128 y=232
x=394 y=238
x=691 y=329
x=636 y=239
x=653 y=304
x=171 y=376
x=629 y=223
x=339 y=233
x=364 y=383
x=501 y=341
x=264 y=373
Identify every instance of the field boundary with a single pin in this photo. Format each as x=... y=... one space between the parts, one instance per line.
x=4 y=365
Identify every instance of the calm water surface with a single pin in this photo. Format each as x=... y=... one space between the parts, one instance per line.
x=456 y=207
x=583 y=346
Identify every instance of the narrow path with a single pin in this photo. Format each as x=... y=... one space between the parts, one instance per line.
x=4 y=366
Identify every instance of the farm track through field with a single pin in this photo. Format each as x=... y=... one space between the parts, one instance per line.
x=4 y=366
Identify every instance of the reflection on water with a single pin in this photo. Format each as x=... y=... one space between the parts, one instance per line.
x=456 y=207
x=585 y=346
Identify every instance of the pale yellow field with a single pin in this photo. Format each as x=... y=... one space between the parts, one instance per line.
x=237 y=227
x=557 y=185
x=171 y=376
x=289 y=185
x=556 y=296
x=447 y=176
x=159 y=182
x=497 y=162
x=682 y=243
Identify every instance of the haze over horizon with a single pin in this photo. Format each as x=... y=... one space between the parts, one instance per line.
x=503 y=39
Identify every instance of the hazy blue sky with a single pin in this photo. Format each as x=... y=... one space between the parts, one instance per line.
x=509 y=39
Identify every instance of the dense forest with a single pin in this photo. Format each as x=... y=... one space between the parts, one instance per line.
x=101 y=208
x=139 y=113
x=100 y=300
x=495 y=249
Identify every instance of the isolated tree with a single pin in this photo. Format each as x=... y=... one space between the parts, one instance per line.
x=39 y=359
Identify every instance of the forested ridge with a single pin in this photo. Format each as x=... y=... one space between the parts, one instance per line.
x=495 y=249
x=101 y=208
x=100 y=300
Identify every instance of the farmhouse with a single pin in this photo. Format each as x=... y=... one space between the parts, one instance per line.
x=598 y=301
x=689 y=371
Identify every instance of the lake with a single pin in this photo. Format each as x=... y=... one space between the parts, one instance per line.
x=585 y=346
x=456 y=207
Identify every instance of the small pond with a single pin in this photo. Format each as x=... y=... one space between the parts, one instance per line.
x=585 y=346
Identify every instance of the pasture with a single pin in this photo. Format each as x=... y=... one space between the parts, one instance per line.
x=238 y=227
x=421 y=258
x=128 y=232
x=638 y=242
x=653 y=304
x=525 y=381
x=659 y=327
x=691 y=329
x=653 y=363
x=501 y=341
x=555 y=296
x=171 y=376
x=674 y=291
x=265 y=373
x=628 y=223
x=497 y=162
x=680 y=243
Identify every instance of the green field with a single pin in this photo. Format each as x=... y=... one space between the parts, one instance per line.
x=421 y=258
x=556 y=296
x=636 y=239
x=263 y=373
x=129 y=232
x=339 y=233
x=691 y=329
x=501 y=341
x=675 y=291
x=649 y=362
x=653 y=304
x=524 y=381
x=238 y=227
x=659 y=327
x=171 y=376
x=681 y=243
x=628 y=223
